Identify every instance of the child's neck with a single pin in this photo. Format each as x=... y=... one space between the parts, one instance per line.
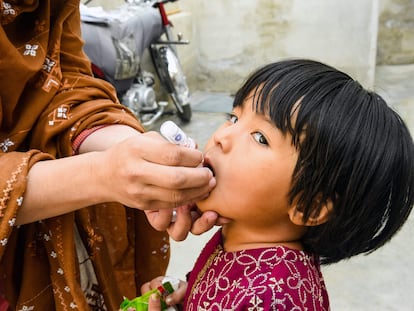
x=236 y=238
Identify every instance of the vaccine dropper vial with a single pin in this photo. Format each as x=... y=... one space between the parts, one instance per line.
x=175 y=135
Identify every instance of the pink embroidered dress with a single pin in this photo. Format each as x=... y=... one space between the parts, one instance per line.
x=274 y=278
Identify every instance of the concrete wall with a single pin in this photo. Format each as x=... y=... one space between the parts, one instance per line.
x=231 y=38
x=234 y=37
x=396 y=32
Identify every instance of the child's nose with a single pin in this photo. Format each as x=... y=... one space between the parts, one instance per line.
x=224 y=136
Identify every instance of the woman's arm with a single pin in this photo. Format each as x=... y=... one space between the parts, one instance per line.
x=142 y=171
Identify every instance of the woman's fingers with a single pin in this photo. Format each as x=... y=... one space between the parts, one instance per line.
x=146 y=172
x=178 y=230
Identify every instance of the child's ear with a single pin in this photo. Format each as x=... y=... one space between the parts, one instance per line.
x=296 y=216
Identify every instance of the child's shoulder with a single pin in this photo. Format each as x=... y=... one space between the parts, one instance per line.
x=286 y=277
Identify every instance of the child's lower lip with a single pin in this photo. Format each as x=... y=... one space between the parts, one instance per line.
x=206 y=164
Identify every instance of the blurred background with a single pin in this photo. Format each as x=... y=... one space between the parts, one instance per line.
x=372 y=40
x=230 y=38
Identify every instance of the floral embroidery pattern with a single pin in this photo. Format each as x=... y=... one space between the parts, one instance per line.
x=8 y=9
x=48 y=64
x=6 y=144
x=275 y=278
x=27 y=308
x=19 y=201
x=256 y=304
x=59 y=115
x=31 y=50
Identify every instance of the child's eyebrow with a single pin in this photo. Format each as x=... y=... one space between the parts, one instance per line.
x=269 y=120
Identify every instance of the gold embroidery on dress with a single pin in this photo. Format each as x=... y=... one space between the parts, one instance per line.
x=206 y=266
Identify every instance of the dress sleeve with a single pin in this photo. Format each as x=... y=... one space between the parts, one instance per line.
x=13 y=175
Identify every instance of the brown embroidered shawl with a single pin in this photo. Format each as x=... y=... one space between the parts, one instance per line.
x=48 y=97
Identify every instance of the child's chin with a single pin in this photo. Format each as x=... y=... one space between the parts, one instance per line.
x=204 y=205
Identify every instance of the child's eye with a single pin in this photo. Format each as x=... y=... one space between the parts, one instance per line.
x=260 y=138
x=232 y=118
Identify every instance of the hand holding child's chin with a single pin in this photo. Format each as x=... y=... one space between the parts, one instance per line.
x=204 y=221
x=201 y=221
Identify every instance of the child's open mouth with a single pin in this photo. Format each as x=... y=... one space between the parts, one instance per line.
x=207 y=164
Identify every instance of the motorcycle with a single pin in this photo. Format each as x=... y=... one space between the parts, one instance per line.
x=115 y=42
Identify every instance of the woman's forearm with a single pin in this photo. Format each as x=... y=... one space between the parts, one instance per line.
x=56 y=187
x=106 y=137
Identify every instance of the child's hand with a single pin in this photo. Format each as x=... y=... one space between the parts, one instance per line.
x=175 y=298
x=154 y=303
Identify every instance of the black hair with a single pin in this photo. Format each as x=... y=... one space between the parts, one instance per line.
x=354 y=151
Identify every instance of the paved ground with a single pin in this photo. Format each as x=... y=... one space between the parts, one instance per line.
x=380 y=281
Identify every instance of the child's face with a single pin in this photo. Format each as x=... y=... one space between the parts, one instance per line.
x=253 y=164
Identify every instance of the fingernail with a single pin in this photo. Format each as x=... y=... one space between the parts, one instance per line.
x=168 y=300
x=154 y=297
x=211 y=216
x=174 y=216
x=212 y=182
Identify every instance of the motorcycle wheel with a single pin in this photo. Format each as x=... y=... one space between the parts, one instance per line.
x=172 y=79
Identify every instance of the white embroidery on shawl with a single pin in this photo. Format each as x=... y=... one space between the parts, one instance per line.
x=7 y=191
x=73 y=305
x=8 y=9
x=31 y=50
x=3 y=242
x=46 y=237
x=60 y=114
x=12 y=222
x=26 y=308
x=19 y=201
x=6 y=144
x=50 y=82
x=164 y=249
x=48 y=64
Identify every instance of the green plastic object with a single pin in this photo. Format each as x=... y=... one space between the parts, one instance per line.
x=141 y=303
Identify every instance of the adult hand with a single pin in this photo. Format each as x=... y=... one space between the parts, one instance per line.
x=187 y=219
x=147 y=172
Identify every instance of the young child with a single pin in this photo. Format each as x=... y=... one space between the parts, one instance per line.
x=311 y=168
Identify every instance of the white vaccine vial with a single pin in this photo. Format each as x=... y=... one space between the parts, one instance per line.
x=175 y=135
